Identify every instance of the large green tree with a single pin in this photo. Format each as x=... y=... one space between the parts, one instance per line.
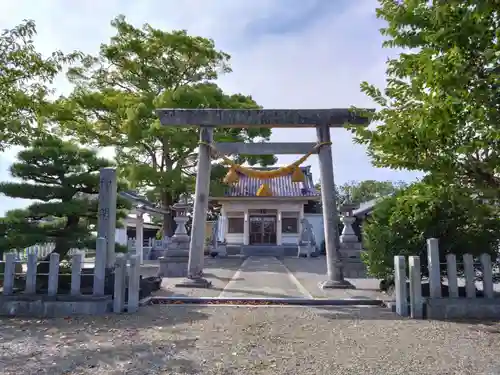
x=63 y=179
x=401 y=224
x=118 y=91
x=25 y=78
x=440 y=110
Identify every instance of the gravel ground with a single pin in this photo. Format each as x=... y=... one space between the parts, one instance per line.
x=187 y=339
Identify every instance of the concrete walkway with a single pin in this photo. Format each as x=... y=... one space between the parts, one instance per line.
x=263 y=277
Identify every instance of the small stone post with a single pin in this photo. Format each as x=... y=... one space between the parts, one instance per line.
x=400 y=284
x=119 y=286
x=470 y=276
x=416 y=302
x=9 y=273
x=99 y=267
x=434 y=268
x=31 y=274
x=106 y=222
x=53 y=283
x=76 y=273
x=488 y=287
x=452 y=275
x=335 y=277
x=133 y=284
x=196 y=246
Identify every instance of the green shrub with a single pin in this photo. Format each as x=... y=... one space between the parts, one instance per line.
x=401 y=225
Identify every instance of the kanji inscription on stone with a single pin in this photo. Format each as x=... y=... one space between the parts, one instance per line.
x=106 y=221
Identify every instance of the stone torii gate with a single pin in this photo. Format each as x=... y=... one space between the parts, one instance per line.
x=207 y=119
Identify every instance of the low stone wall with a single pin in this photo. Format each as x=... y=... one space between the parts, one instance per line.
x=57 y=306
x=463 y=308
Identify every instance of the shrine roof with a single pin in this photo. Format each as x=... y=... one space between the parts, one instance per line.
x=281 y=187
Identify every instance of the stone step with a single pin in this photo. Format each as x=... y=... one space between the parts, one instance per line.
x=269 y=250
x=274 y=251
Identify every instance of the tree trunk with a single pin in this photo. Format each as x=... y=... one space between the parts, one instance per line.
x=168 y=219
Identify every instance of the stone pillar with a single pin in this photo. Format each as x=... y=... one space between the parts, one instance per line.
x=175 y=261
x=221 y=233
x=139 y=236
x=214 y=238
x=335 y=278
x=246 y=227
x=300 y=220
x=196 y=246
x=401 y=289
x=106 y=222
x=434 y=265
x=305 y=247
x=221 y=236
x=279 y=226
x=208 y=247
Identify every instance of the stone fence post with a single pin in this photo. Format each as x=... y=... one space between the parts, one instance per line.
x=400 y=285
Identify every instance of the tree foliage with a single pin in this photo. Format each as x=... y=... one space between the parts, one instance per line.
x=25 y=76
x=440 y=110
x=366 y=190
x=401 y=225
x=63 y=179
x=137 y=72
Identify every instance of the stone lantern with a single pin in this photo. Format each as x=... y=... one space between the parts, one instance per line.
x=180 y=237
x=350 y=246
x=347 y=218
x=175 y=261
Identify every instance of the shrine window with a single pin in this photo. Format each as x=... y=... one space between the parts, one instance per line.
x=235 y=225
x=289 y=225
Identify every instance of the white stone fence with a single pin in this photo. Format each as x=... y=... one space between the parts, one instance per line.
x=40 y=251
x=126 y=278
x=459 y=301
x=149 y=246
x=43 y=250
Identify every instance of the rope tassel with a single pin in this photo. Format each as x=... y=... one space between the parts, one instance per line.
x=298 y=175
x=264 y=191
x=231 y=176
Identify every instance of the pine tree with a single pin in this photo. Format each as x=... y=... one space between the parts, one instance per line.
x=63 y=179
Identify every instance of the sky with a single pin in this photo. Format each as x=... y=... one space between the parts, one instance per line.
x=285 y=53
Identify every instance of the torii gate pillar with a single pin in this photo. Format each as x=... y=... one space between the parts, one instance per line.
x=335 y=276
x=196 y=261
x=321 y=119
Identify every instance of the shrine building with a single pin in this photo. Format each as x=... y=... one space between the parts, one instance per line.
x=254 y=224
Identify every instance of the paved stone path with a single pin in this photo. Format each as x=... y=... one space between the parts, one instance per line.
x=261 y=277
x=264 y=277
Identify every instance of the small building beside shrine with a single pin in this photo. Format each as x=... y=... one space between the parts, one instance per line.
x=272 y=223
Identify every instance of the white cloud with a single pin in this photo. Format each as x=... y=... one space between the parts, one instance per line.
x=281 y=59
